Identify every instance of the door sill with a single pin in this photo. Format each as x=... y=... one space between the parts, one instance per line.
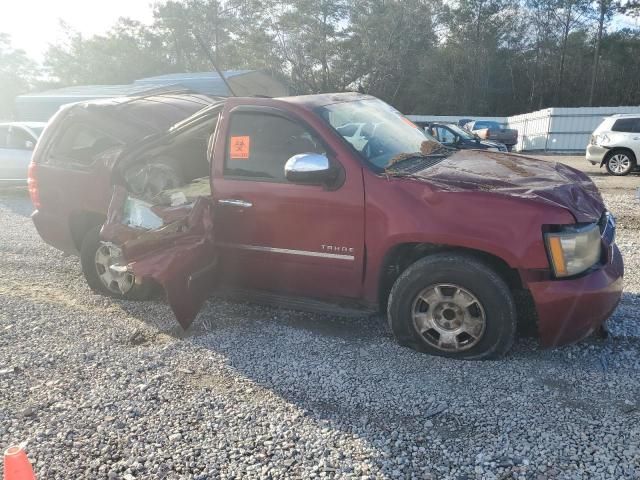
x=338 y=307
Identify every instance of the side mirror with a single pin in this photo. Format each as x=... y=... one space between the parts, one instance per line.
x=29 y=145
x=309 y=169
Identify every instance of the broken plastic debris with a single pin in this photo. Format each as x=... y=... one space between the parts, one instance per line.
x=138 y=213
x=178 y=198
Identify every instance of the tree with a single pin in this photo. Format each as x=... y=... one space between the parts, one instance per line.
x=472 y=57
x=17 y=74
x=569 y=15
x=605 y=10
x=128 y=51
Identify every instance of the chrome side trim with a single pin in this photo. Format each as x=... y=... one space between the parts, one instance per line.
x=287 y=251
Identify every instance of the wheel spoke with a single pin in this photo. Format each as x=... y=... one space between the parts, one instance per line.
x=424 y=322
x=472 y=325
x=463 y=299
x=432 y=296
x=448 y=339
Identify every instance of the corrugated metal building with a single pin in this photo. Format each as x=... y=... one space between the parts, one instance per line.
x=562 y=130
x=243 y=83
x=41 y=106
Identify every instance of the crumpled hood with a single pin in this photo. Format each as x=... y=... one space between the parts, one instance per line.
x=518 y=176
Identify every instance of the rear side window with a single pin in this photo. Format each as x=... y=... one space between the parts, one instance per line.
x=631 y=125
x=80 y=143
x=486 y=124
x=259 y=145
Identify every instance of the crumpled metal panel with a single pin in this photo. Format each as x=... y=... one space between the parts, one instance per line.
x=179 y=255
x=518 y=176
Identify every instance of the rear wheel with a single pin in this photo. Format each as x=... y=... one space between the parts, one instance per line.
x=453 y=305
x=105 y=270
x=619 y=163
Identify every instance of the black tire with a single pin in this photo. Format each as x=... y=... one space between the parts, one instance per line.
x=495 y=302
x=90 y=245
x=619 y=156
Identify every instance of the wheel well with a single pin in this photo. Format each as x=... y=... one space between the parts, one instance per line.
x=401 y=256
x=611 y=152
x=81 y=222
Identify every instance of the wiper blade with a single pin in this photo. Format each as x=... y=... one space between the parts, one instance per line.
x=410 y=165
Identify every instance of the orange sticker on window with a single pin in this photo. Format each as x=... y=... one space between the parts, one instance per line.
x=240 y=148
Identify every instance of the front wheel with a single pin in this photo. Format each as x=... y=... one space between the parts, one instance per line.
x=619 y=163
x=103 y=268
x=453 y=305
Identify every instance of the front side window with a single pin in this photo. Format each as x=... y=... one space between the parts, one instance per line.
x=444 y=134
x=259 y=145
x=385 y=135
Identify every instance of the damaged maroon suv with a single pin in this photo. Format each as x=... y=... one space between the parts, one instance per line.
x=335 y=203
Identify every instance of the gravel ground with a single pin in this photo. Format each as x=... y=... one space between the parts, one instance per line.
x=106 y=389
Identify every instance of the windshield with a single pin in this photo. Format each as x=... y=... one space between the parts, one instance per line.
x=376 y=130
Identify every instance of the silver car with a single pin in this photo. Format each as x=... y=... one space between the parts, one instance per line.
x=616 y=144
x=17 y=140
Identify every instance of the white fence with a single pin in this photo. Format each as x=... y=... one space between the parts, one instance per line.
x=563 y=130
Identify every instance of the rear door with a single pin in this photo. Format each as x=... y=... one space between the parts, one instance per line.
x=72 y=173
x=303 y=240
x=635 y=139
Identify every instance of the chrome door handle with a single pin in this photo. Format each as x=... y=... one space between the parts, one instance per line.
x=233 y=202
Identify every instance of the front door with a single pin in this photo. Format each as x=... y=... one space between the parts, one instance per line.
x=303 y=240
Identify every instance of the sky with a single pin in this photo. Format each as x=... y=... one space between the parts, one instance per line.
x=33 y=24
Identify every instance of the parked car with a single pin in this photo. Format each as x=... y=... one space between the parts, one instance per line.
x=452 y=136
x=293 y=212
x=490 y=130
x=616 y=144
x=17 y=141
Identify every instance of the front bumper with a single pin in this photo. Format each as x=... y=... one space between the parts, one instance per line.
x=570 y=310
x=595 y=154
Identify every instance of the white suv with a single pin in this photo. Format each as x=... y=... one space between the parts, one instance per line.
x=616 y=144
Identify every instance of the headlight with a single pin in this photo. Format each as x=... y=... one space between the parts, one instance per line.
x=574 y=249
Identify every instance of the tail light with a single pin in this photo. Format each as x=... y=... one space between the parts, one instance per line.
x=32 y=183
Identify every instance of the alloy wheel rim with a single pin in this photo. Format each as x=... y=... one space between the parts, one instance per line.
x=619 y=163
x=115 y=280
x=448 y=317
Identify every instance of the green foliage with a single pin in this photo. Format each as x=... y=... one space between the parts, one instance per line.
x=17 y=74
x=469 y=57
